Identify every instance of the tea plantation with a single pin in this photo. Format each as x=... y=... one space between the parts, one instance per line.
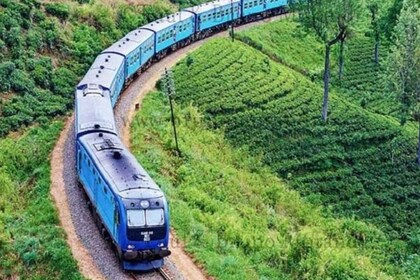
x=237 y=218
x=358 y=164
x=363 y=80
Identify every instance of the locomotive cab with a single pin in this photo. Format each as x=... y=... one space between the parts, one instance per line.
x=145 y=220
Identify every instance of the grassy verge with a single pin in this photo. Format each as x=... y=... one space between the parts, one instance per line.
x=239 y=219
x=32 y=245
x=358 y=164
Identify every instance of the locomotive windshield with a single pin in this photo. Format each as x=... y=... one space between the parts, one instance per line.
x=154 y=217
x=136 y=218
x=141 y=218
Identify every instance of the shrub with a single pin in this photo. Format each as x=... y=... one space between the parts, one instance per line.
x=59 y=10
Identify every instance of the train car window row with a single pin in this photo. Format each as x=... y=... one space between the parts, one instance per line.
x=165 y=36
x=222 y=13
x=183 y=27
x=148 y=47
x=134 y=59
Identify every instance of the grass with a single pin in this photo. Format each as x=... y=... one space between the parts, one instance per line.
x=358 y=164
x=238 y=218
x=32 y=245
x=284 y=42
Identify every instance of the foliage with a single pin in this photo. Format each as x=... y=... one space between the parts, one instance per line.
x=59 y=10
x=360 y=164
x=32 y=244
x=364 y=82
x=331 y=21
x=44 y=54
x=240 y=220
x=404 y=61
x=389 y=21
x=188 y=3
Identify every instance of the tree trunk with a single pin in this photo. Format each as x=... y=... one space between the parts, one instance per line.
x=341 y=60
x=326 y=82
x=377 y=51
x=418 y=147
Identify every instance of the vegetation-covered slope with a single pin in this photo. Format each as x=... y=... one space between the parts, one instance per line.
x=359 y=163
x=283 y=41
x=363 y=82
x=32 y=245
x=238 y=218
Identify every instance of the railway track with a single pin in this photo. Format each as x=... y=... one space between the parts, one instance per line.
x=162 y=272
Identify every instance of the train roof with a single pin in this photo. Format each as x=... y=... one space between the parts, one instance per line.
x=119 y=167
x=205 y=7
x=130 y=42
x=103 y=70
x=167 y=21
x=94 y=110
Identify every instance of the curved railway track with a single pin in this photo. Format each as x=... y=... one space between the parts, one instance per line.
x=95 y=258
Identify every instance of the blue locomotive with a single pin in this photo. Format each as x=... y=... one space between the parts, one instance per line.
x=128 y=206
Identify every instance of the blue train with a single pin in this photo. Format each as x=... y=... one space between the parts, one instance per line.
x=128 y=206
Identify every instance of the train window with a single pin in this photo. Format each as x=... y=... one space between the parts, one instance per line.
x=105 y=190
x=246 y=6
x=255 y=3
x=136 y=218
x=154 y=217
x=94 y=172
x=117 y=217
x=88 y=162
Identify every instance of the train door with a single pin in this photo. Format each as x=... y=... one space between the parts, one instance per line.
x=174 y=33
x=116 y=220
x=265 y=4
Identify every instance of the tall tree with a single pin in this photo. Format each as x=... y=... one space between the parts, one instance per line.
x=373 y=6
x=331 y=21
x=389 y=20
x=404 y=63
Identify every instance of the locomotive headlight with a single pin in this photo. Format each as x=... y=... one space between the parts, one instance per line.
x=144 y=204
x=130 y=246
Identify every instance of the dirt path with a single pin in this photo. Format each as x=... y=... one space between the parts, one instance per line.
x=63 y=188
x=80 y=253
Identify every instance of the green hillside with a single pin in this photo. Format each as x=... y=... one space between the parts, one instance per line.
x=237 y=218
x=284 y=42
x=363 y=83
x=32 y=244
x=358 y=164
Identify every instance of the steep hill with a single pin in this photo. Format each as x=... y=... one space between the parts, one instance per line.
x=238 y=219
x=358 y=164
